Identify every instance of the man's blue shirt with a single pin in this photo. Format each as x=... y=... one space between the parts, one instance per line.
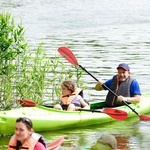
x=134 y=88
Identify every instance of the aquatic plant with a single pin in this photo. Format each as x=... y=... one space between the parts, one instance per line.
x=25 y=73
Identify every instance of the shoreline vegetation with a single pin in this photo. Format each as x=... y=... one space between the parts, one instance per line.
x=29 y=74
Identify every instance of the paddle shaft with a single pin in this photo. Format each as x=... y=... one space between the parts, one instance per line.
x=130 y=108
x=109 y=90
x=98 y=81
x=90 y=110
x=49 y=106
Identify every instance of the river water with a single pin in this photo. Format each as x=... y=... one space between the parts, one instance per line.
x=101 y=34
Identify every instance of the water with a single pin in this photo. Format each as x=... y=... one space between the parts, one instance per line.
x=101 y=34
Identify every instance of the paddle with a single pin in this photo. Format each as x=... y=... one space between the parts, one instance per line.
x=67 y=53
x=29 y=103
x=114 y=113
x=55 y=144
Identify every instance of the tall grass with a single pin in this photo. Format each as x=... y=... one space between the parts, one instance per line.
x=25 y=73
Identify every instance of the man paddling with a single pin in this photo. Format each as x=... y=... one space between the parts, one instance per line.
x=123 y=85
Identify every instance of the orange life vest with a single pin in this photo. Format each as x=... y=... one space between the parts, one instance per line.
x=66 y=100
x=28 y=144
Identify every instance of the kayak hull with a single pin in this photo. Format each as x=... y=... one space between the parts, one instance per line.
x=46 y=119
x=55 y=145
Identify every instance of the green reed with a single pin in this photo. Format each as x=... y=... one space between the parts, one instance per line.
x=28 y=74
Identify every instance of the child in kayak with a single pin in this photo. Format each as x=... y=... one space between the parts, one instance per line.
x=71 y=98
x=25 y=137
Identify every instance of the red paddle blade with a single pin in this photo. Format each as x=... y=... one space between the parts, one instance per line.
x=26 y=103
x=115 y=113
x=144 y=118
x=68 y=55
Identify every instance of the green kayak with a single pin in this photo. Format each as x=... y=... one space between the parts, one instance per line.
x=46 y=119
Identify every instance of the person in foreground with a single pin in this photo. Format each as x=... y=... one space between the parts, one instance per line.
x=25 y=137
x=105 y=142
x=71 y=98
x=125 y=86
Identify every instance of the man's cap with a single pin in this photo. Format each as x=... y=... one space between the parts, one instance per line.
x=124 y=66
